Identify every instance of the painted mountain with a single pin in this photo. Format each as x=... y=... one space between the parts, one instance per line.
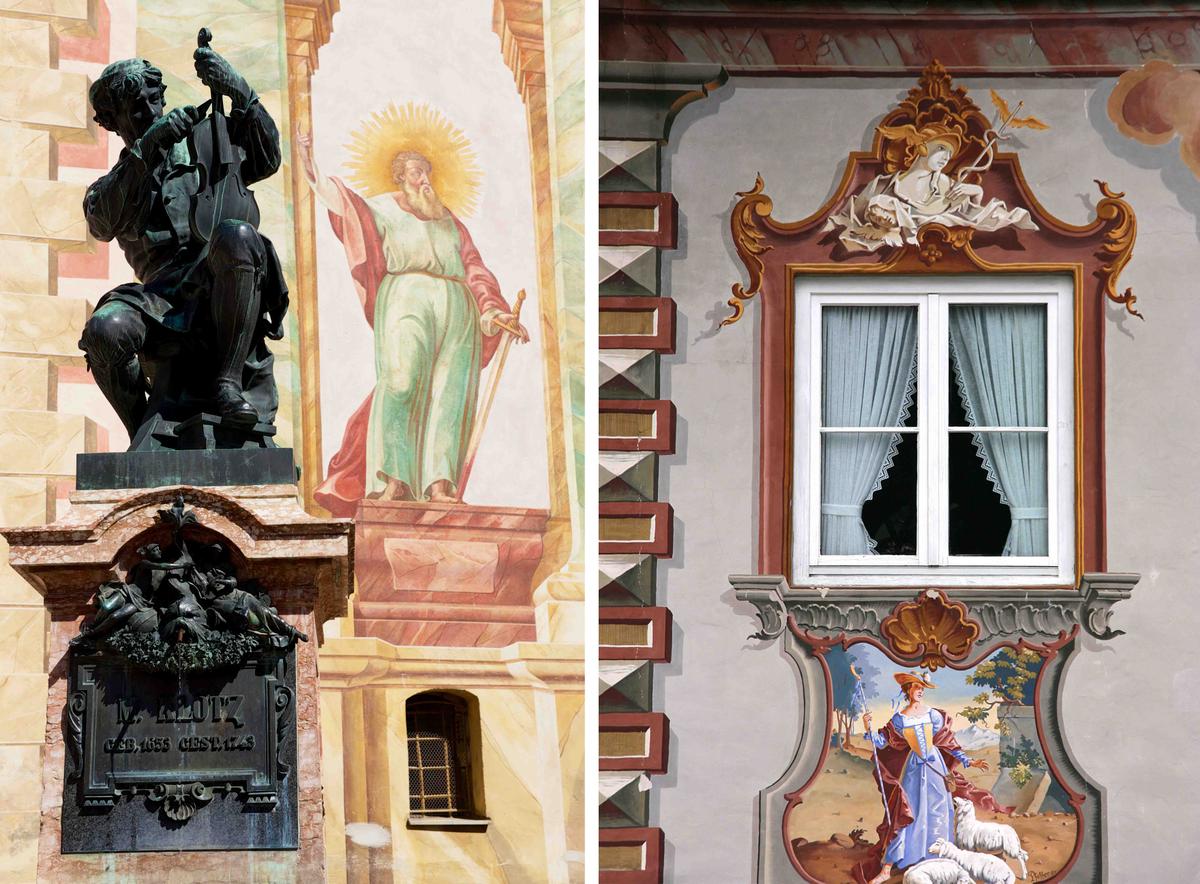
x=976 y=737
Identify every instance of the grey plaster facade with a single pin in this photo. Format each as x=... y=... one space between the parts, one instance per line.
x=1127 y=708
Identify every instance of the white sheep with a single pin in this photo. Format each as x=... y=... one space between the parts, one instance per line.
x=971 y=834
x=981 y=866
x=937 y=871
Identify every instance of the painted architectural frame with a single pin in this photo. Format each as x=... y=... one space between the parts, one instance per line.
x=929 y=626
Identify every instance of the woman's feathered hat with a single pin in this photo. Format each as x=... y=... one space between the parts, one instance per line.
x=904 y=679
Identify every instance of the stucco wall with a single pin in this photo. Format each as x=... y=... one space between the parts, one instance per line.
x=1128 y=707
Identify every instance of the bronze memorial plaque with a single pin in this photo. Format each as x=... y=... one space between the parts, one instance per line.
x=181 y=717
x=197 y=761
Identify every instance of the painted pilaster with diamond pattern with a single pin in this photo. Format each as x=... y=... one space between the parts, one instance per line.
x=636 y=329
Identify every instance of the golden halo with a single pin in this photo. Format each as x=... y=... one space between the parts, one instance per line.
x=456 y=175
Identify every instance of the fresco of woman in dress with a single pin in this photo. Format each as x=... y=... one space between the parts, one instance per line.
x=917 y=772
x=892 y=208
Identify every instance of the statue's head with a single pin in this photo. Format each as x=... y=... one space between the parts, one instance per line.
x=151 y=551
x=127 y=97
x=412 y=173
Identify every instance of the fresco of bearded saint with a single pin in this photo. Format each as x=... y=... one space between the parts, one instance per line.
x=437 y=314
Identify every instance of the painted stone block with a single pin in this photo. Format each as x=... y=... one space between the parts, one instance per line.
x=440 y=574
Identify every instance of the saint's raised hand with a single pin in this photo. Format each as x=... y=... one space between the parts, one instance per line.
x=217 y=73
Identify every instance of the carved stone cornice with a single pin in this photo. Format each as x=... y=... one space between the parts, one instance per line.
x=1000 y=614
x=639 y=101
x=518 y=24
x=854 y=39
x=309 y=25
x=265 y=524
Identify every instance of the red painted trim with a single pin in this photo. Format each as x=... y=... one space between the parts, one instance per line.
x=85 y=265
x=663 y=440
x=663 y=339
x=658 y=728
x=843 y=40
x=820 y=646
x=658 y=544
x=651 y=841
x=92 y=155
x=803 y=243
x=668 y=214
x=74 y=374
x=659 y=621
x=95 y=49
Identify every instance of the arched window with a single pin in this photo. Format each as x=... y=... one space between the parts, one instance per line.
x=440 y=756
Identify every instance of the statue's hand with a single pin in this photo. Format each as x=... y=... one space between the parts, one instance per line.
x=171 y=127
x=217 y=73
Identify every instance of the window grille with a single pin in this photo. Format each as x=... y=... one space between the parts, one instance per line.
x=438 y=756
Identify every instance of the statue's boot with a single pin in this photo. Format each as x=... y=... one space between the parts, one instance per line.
x=236 y=308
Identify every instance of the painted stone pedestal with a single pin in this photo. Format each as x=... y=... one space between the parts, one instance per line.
x=305 y=566
x=447 y=574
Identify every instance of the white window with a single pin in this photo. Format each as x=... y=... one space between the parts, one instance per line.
x=934 y=431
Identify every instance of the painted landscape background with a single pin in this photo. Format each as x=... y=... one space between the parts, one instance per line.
x=833 y=829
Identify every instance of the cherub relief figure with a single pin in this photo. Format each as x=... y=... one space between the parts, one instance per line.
x=893 y=207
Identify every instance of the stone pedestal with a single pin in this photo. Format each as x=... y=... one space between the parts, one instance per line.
x=447 y=574
x=303 y=563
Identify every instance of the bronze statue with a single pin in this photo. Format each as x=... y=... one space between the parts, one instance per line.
x=189 y=337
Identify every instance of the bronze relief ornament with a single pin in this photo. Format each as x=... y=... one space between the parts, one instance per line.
x=181 y=609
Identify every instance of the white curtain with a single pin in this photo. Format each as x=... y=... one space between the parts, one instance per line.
x=999 y=355
x=868 y=377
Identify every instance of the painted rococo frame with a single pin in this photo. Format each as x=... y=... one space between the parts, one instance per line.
x=924 y=624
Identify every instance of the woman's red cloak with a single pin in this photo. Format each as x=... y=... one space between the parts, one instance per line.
x=890 y=769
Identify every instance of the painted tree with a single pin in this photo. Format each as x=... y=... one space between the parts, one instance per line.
x=1010 y=676
x=843 y=666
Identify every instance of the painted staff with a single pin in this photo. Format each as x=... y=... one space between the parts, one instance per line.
x=1007 y=118
x=989 y=149
x=511 y=332
x=861 y=700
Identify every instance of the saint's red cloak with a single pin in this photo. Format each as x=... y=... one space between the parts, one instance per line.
x=891 y=768
x=346 y=479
